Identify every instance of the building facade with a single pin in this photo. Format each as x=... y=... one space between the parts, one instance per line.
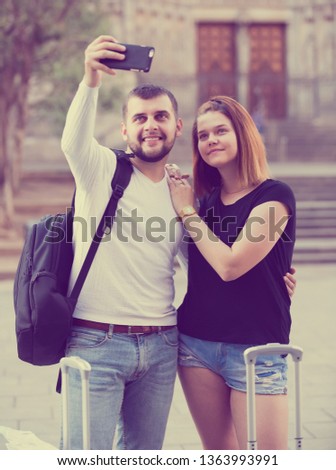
x=277 y=57
x=280 y=52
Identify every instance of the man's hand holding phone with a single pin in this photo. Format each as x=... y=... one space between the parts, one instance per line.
x=105 y=54
x=104 y=47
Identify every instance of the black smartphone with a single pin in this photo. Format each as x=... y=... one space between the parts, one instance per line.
x=138 y=58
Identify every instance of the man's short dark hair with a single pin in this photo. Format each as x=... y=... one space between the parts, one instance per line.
x=147 y=92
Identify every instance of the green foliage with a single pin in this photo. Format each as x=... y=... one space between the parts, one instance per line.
x=43 y=42
x=64 y=69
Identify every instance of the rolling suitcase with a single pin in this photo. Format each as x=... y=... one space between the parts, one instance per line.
x=250 y=356
x=84 y=369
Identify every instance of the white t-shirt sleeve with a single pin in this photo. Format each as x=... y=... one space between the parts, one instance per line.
x=88 y=160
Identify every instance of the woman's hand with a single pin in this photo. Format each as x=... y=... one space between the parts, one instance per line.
x=181 y=192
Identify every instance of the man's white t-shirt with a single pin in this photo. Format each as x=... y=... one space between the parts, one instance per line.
x=130 y=281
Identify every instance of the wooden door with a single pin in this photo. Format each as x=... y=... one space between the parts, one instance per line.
x=267 y=70
x=217 y=67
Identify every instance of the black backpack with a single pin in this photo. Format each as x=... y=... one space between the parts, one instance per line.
x=42 y=307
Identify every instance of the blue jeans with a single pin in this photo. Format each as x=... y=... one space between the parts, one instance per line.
x=131 y=384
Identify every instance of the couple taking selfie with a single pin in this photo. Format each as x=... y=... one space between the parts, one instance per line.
x=235 y=234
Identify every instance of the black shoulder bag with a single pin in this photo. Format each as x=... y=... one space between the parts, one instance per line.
x=42 y=307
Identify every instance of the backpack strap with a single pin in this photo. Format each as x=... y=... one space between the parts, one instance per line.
x=119 y=183
x=120 y=177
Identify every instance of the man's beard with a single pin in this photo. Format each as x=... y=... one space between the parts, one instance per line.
x=156 y=157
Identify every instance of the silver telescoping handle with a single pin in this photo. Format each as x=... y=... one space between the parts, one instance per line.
x=84 y=369
x=250 y=356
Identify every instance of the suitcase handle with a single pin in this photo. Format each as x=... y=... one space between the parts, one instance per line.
x=84 y=369
x=250 y=355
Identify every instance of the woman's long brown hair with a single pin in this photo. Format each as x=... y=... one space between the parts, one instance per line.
x=252 y=162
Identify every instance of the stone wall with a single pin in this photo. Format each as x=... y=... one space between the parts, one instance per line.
x=170 y=26
x=312 y=58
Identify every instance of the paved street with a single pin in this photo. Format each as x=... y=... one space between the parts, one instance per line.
x=28 y=401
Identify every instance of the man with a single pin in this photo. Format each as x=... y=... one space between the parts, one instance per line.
x=124 y=322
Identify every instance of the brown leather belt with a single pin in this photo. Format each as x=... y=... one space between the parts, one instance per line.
x=128 y=329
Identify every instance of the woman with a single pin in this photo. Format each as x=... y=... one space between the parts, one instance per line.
x=241 y=247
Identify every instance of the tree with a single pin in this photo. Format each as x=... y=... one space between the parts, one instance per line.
x=34 y=34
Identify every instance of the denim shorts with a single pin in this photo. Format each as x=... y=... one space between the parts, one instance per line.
x=227 y=360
